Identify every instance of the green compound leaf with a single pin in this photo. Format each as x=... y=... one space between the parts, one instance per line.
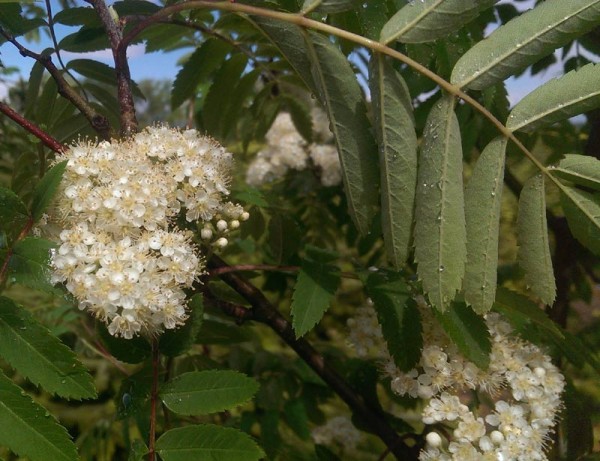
x=203 y=61
x=29 y=264
x=343 y=100
x=39 y=356
x=210 y=391
x=483 y=199
x=29 y=430
x=582 y=211
x=13 y=213
x=315 y=287
x=440 y=234
x=398 y=316
x=428 y=20
x=394 y=127
x=46 y=189
x=468 y=331
x=534 y=248
x=524 y=40
x=100 y=72
x=581 y=170
x=559 y=99
x=207 y=443
x=133 y=350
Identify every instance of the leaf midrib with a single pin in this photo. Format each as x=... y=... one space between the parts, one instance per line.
x=518 y=46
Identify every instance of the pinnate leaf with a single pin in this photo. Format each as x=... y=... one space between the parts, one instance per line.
x=523 y=41
x=29 y=264
x=398 y=316
x=13 y=213
x=581 y=170
x=534 y=247
x=582 y=211
x=468 y=331
x=440 y=234
x=394 y=127
x=316 y=285
x=483 y=199
x=28 y=429
x=559 y=99
x=39 y=356
x=207 y=442
x=428 y=20
x=46 y=189
x=340 y=93
x=203 y=61
x=209 y=391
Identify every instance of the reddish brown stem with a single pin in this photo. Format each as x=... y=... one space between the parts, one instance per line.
x=129 y=124
x=35 y=130
x=218 y=271
x=153 y=400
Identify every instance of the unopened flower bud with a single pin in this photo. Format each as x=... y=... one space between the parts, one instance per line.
x=206 y=234
x=222 y=225
x=245 y=216
x=433 y=440
x=222 y=242
x=234 y=224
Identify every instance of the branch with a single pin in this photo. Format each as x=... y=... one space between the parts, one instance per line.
x=129 y=124
x=98 y=121
x=47 y=140
x=302 y=21
x=264 y=312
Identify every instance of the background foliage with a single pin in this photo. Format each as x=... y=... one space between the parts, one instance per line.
x=410 y=120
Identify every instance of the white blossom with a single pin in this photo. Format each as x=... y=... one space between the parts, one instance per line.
x=120 y=253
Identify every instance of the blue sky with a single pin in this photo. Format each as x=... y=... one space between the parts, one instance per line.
x=164 y=65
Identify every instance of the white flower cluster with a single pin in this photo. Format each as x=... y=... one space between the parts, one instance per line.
x=338 y=431
x=121 y=254
x=287 y=150
x=521 y=382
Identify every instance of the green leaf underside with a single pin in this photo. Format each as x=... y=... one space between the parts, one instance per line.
x=29 y=263
x=13 y=212
x=28 y=429
x=524 y=40
x=202 y=62
x=582 y=211
x=210 y=391
x=394 y=127
x=559 y=99
x=581 y=170
x=289 y=40
x=468 y=331
x=532 y=235
x=342 y=98
x=428 y=20
x=330 y=6
x=42 y=358
x=45 y=190
x=483 y=199
x=207 y=443
x=399 y=318
x=440 y=234
x=315 y=288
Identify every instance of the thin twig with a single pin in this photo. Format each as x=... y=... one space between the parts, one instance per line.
x=266 y=267
x=264 y=312
x=48 y=141
x=98 y=121
x=153 y=399
x=129 y=124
